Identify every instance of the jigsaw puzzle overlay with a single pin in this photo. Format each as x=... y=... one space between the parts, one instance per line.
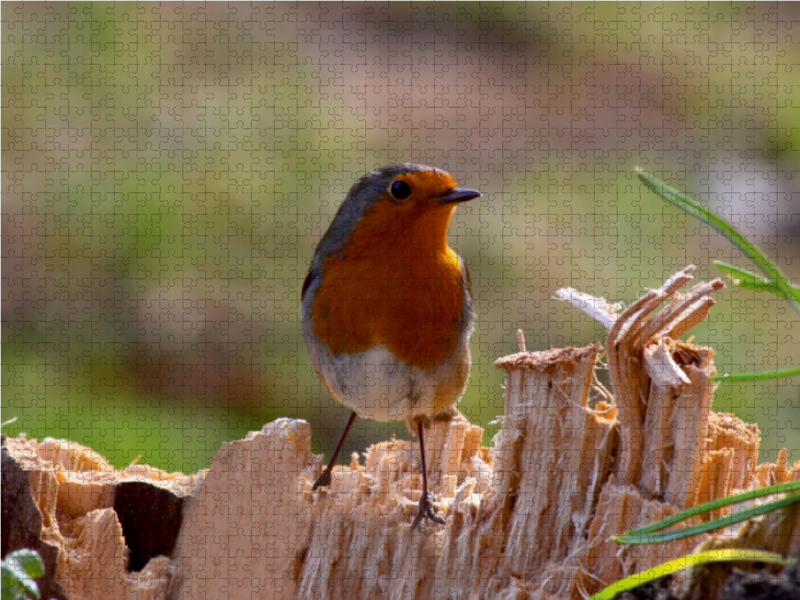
x=170 y=168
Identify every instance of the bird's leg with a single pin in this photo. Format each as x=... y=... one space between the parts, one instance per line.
x=325 y=478
x=425 y=504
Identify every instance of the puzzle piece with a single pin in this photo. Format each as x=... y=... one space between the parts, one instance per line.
x=170 y=170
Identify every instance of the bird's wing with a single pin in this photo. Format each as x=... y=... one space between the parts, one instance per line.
x=464 y=274
x=312 y=273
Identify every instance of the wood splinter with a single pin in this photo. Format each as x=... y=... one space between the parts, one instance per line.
x=533 y=514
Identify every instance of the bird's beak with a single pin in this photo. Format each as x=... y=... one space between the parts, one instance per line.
x=458 y=195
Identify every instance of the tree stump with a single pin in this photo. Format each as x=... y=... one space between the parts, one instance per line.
x=529 y=517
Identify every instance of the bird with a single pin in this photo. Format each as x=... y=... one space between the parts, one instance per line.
x=386 y=306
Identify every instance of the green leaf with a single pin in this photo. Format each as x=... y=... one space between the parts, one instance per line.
x=29 y=561
x=693 y=560
x=18 y=572
x=16 y=585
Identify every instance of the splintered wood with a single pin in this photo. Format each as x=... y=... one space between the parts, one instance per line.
x=530 y=517
x=77 y=494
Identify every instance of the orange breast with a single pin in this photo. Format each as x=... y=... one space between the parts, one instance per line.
x=397 y=283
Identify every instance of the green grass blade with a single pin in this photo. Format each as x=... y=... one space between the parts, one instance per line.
x=706 y=507
x=747 y=279
x=708 y=527
x=719 y=223
x=751 y=281
x=736 y=272
x=760 y=376
x=722 y=226
x=685 y=562
x=9 y=422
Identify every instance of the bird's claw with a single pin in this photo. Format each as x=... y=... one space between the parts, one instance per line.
x=426 y=512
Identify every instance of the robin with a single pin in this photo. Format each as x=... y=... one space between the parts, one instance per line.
x=386 y=305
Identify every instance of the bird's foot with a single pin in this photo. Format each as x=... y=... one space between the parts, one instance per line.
x=426 y=511
x=324 y=480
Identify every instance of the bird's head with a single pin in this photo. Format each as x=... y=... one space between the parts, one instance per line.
x=402 y=204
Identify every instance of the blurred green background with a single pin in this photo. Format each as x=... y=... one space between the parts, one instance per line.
x=169 y=168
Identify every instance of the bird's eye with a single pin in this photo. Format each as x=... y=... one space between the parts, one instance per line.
x=400 y=190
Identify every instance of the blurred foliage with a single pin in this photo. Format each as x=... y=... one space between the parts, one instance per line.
x=169 y=168
x=19 y=569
